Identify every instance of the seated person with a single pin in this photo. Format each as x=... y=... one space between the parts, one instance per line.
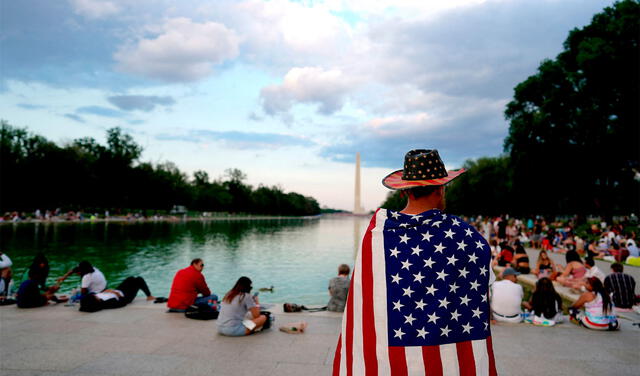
x=338 y=289
x=93 y=280
x=545 y=303
x=506 y=255
x=5 y=275
x=506 y=297
x=235 y=306
x=521 y=259
x=593 y=270
x=545 y=267
x=120 y=297
x=573 y=274
x=621 y=287
x=29 y=295
x=187 y=284
x=40 y=267
x=597 y=312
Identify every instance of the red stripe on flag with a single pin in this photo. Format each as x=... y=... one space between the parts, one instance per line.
x=368 y=323
x=398 y=361
x=432 y=360
x=466 y=362
x=349 y=329
x=492 y=360
x=336 y=357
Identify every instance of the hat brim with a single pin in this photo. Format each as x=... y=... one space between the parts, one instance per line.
x=394 y=180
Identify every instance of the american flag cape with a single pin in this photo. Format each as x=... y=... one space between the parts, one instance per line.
x=418 y=301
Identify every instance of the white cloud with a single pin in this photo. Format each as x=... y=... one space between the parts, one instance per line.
x=184 y=51
x=94 y=8
x=311 y=85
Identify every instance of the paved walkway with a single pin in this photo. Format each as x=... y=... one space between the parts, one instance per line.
x=141 y=339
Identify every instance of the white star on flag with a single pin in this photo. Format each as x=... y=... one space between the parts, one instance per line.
x=422 y=333
x=433 y=317
x=416 y=217
x=427 y=236
x=443 y=303
x=416 y=250
x=428 y=262
x=406 y=264
x=432 y=290
x=475 y=285
x=409 y=319
x=426 y=221
x=395 y=215
x=404 y=238
x=473 y=258
x=463 y=272
x=476 y=312
x=461 y=245
x=436 y=224
x=483 y=270
x=396 y=278
x=455 y=315
x=397 y=305
x=398 y=334
x=439 y=248
x=467 y=328
x=468 y=232
x=451 y=260
x=445 y=331
x=407 y=291
x=479 y=244
x=453 y=287
x=442 y=275
x=405 y=225
x=449 y=234
x=394 y=252
x=464 y=300
x=418 y=277
x=455 y=222
x=420 y=304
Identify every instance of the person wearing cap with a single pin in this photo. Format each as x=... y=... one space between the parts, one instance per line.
x=187 y=284
x=93 y=281
x=420 y=282
x=506 y=297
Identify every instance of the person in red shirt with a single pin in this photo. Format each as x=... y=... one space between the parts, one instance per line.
x=187 y=284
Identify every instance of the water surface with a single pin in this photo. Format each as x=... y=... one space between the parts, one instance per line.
x=296 y=256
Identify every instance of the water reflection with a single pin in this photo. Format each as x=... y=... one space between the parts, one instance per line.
x=298 y=256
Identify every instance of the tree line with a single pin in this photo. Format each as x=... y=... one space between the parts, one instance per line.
x=36 y=173
x=573 y=145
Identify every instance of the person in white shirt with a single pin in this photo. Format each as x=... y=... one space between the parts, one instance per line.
x=93 y=280
x=506 y=298
x=5 y=274
x=593 y=270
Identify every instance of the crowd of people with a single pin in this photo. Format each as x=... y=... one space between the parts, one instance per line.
x=238 y=313
x=600 y=296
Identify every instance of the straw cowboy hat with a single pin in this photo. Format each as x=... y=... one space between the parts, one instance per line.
x=421 y=167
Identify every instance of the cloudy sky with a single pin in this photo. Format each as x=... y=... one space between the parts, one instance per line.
x=287 y=91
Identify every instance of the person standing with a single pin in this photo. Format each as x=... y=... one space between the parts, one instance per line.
x=187 y=284
x=621 y=287
x=418 y=298
x=338 y=289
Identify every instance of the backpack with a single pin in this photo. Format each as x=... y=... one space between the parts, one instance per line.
x=201 y=312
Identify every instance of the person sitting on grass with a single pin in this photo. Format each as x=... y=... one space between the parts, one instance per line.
x=235 y=305
x=573 y=274
x=545 y=267
x=545 y=303
x=338 y=289
x=505 y=258
x=120 y=297
x=597 y=305
x=506 y=298
x=521 y=259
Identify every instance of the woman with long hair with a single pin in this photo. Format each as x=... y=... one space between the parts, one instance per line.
x=545 y=267
x=234 y=307
x=573 y=274
x=545 y=303
x=598 y=310
x=521 y=259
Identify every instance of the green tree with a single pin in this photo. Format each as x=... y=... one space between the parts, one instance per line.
x=573 y=137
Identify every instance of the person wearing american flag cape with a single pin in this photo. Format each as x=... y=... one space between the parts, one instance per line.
x=418 y=302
